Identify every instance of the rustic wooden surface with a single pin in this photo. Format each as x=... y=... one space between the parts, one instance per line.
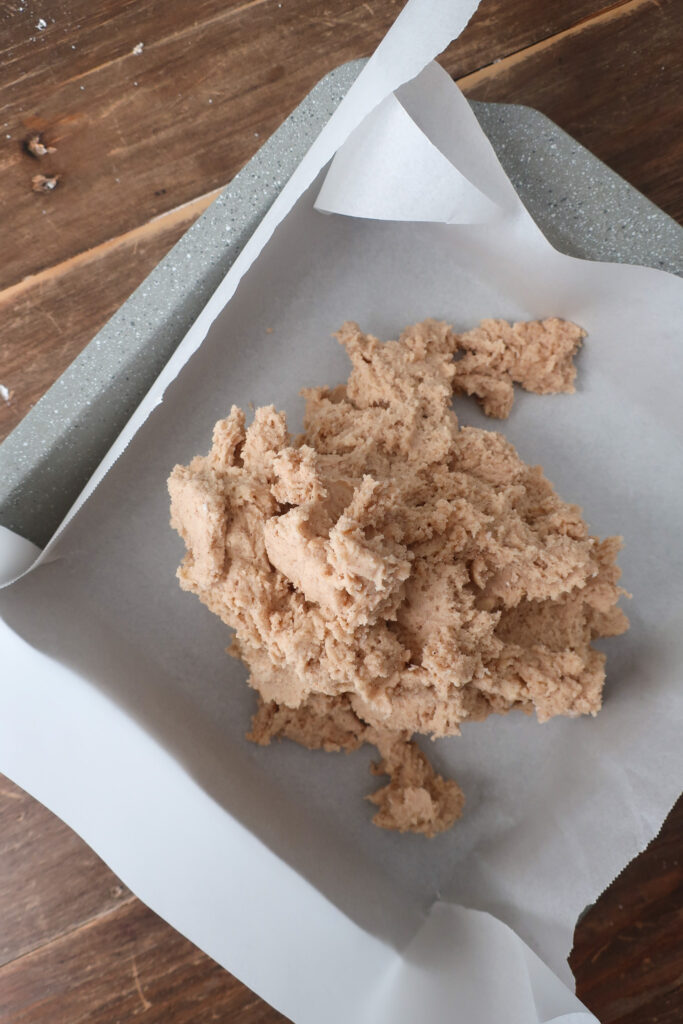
x=142 y=143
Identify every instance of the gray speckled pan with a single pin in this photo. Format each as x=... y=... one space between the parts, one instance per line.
x=584 y=209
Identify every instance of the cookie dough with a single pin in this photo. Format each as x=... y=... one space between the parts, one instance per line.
x=389 y=573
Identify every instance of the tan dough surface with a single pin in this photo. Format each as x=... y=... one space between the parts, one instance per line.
x=388 y=573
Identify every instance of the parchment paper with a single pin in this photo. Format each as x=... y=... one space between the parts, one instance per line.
x=120 y=710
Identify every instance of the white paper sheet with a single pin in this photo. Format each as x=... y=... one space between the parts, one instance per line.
x=122 y=713
x=16 y=554
x=379 y=173
x=219 y=885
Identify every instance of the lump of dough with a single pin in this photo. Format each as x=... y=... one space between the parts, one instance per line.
x=389 y=573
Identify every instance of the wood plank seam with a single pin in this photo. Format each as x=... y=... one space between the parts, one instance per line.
x=190 y=210
x=171 y=216
x=219 y=18
x=68 y=933
x=618 y=10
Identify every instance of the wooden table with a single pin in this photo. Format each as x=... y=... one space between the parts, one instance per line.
x=151 y=106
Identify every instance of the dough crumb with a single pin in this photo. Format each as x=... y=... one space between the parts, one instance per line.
x=389 y=573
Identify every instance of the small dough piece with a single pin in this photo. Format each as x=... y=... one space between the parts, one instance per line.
x=537 y=354
x=389 y=573
x=416 y=798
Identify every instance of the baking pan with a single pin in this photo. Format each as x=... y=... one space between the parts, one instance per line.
x=583 y=207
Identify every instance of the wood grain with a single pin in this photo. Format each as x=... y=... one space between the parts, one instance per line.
x=50 y=881
x=48 y=318
x=126 y=965
x=614 y=83
x=137 y=135
x=628 y=949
